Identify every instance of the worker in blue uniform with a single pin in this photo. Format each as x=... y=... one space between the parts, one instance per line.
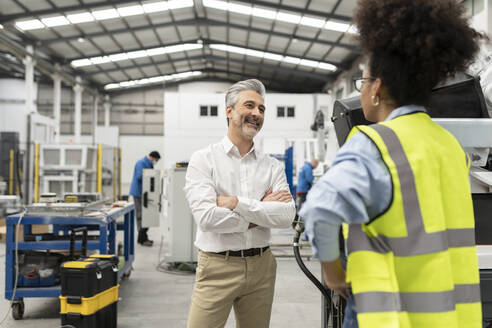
x=146 y=162
x=305 y=181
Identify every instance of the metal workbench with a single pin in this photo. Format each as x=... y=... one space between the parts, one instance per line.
x=107 y=225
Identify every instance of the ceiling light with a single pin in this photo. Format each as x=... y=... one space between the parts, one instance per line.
x=155 y=7
x=273 y=56
x=327 y=66
x=222 y=5
x=55 y=21
x=111 y=86
x=81 y=40
x=156 y=51
x=177 y=4
x=310 y=63
x=292 y=60
x=155 y=79
x=118 y=57
x=313 y=22
x=240 y=9
x=100 y=60
x=278 y=15
x=1 y=27
x=264 y=13
x=127 y=83
x=80 y=18
x=289 y=18
x=143 y=81
x=30 y=24
x=135 y=54
x=130 y=11
x=336 y=26
x=105 y=14
x=255 y=53
x=81 y=62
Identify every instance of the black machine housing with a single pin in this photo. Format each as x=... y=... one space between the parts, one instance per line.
x=461 y=97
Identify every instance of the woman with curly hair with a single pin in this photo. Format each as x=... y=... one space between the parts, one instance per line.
x=402 y=184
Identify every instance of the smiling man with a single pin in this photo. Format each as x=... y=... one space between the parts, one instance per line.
x=236 y=195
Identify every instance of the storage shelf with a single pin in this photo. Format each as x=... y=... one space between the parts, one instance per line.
x=55 y=244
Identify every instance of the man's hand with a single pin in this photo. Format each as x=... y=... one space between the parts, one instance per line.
x=283 y=196
x=334 y=276
x=229 y=202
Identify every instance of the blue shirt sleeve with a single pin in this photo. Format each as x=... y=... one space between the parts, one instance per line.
x=356 y=188
x=309 y=175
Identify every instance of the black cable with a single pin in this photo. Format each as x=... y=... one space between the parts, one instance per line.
x=299 y=229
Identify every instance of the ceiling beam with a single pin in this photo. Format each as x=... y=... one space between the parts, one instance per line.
x=205 y=23
x=214 y=58
x=11 y=17
x=297 y=10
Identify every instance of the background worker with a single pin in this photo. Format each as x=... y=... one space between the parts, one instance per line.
x=305 y=181
x=402 y=185
x=236 y=194
x=146 y=162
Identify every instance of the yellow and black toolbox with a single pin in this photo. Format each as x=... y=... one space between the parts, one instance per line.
x=89 y=292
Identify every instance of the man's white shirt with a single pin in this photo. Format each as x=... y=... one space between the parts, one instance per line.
x=219 y=170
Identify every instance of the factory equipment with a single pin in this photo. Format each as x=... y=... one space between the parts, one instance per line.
x=10 y=162
x=151 y=197
x=179 y=225
x=77 y=168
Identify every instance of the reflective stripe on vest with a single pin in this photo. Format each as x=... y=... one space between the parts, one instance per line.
x=417 y=242
x=423 y=302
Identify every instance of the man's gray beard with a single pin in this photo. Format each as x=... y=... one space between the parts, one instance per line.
x=250 y=132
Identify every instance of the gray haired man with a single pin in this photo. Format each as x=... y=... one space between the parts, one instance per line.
x=236 y=195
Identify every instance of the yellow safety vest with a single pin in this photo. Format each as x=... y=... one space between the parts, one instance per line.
x=415 y=265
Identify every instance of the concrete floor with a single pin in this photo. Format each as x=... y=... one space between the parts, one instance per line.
x=154 y=299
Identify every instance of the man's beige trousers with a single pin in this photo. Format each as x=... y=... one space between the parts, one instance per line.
x=225 y=281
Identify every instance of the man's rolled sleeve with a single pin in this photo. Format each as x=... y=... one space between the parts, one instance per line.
x=324 y=240
x=266 y=214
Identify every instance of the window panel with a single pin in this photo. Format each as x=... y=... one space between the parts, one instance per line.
x=203 y=110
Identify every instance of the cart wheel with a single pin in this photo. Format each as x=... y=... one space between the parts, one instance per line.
x=18 y=309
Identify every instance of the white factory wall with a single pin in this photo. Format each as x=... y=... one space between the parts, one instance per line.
x=185 y=131
x=13 y=111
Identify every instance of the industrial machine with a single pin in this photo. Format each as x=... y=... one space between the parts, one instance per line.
x=151 y=197
x=77 y=168
x=179 y=225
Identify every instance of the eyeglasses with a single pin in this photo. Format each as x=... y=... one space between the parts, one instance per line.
x=359 y=82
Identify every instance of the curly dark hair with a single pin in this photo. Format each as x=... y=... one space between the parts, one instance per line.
x=415 y=44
